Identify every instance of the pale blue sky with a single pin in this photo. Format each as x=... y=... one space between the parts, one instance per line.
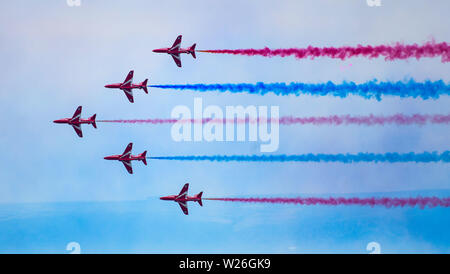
x=57 y=57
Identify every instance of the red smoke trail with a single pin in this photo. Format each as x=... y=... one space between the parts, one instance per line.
x=140 y=121
x=369 y=120
x=396 y=51
x=422 y=202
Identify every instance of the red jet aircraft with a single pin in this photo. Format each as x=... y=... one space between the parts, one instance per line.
x=175 y=51
x=76 y=121
x=126 y=158
x=182 y=198
x=127 y=86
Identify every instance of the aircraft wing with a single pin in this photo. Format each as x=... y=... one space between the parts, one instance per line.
x=129 y=94
x=128 y=166
x=76 y=115
x=184 y=207
x=127 y=150
x=183 y=192
x=129 y=80
x=176 y=58
x=78 y=130
x=176 y=44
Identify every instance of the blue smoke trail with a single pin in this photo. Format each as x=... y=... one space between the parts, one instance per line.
x=368 y=90
x=425 y=157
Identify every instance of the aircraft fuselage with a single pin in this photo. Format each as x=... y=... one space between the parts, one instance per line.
x=120 y=158
x=168 y=51
x=70 y=122
x=174 y=198
x=121 y=86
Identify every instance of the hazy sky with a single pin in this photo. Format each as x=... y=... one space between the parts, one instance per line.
x=56 y=57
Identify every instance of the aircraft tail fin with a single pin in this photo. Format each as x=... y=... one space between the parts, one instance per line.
x=93 y=120
x=144 y=86
x=192 y=50
x=199 y=196
x=144 y=157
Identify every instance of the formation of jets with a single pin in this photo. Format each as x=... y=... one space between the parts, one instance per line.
x=127 y=85
x=182 y=198
x=126 y=157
